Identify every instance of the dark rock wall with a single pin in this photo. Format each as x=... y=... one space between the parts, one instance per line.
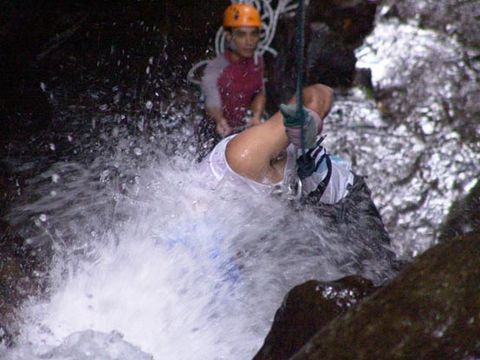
x=333 y=30
x=430 y=311
x=41 y=41
x=306 y=309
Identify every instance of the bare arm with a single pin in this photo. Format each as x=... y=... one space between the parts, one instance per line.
x=317 y=97
x=259 y=101
x=250 y=153
x=211 y=92
x=222 y=126
x=258 y=107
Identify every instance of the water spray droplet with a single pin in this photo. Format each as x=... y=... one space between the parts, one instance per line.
x=43 y=86
x=52 y=146
x=149 y=105
x=55 y=178
x=43 y=217
x=137 y=151
x=104 y=175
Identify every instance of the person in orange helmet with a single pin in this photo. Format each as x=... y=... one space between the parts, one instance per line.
x=232 y=83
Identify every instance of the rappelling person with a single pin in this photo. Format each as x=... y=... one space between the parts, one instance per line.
x=232 y=84
x=266 y=159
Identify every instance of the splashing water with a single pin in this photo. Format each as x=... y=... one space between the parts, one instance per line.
x=148 y=262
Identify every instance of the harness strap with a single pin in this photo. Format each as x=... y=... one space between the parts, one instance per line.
x=322 y=186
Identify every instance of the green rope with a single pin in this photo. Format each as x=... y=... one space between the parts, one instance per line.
x=299 y=45
x=305 y=162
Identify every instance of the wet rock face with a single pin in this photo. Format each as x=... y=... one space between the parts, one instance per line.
x=430 y=311
x=455 y=23
x=452 y=17
x=306 y=309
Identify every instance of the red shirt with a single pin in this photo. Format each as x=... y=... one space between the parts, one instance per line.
x=232 y=86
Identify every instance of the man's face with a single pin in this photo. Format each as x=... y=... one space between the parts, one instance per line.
x=244 y=40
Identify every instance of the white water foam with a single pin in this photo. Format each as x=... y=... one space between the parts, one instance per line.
x=181 y=272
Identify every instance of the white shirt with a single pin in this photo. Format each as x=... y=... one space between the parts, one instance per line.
x=216 y=169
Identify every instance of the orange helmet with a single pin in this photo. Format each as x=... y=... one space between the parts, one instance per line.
x=237 y=15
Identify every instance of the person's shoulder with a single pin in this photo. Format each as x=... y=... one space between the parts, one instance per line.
x=219 y=59
x=218 y=63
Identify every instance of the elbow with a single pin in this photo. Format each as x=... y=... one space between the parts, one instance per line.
x=326 y=97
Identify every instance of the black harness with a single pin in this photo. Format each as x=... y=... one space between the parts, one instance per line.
x=306 y=166
x=322 y=186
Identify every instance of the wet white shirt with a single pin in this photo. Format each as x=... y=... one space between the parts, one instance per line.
x=217 y=170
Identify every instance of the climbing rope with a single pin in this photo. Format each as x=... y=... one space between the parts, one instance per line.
x=299 y=45
x=305 y=163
